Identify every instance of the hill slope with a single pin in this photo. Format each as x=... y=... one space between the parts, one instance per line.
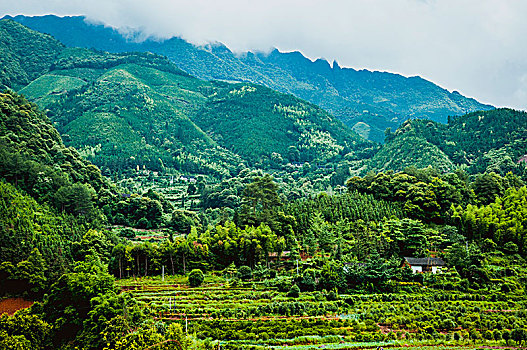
x=131 y=110
x=367 y=101
x=483 y=141
x=24 y=54
x=33 y=157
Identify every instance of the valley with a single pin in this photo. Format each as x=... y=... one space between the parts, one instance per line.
x=147 y=203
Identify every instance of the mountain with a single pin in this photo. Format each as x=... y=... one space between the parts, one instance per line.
x=369 y=102
x=24 y=54
x=129 y=110
x=485 y=141
x=33 y=156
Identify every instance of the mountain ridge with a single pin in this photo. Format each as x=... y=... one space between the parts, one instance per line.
x=367 y=101
x=479 y=142
x=130 y=110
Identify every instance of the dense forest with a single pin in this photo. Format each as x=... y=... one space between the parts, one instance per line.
x=369 y=102
x=143 y=208
x=479 y=142
x=98 y=102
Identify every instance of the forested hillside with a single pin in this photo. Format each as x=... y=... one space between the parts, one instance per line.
x=25 y=54
x=369 y=102
x=486 y=141
x=224 y=223
x=33 y=157
x=138 y=111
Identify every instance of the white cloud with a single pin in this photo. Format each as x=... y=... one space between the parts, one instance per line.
x=473 y=46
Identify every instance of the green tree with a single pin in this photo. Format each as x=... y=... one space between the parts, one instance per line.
x=519 y=335
x=308 y=280
x=294 y=292
x=332 y=276
x=497 y=335
x=183 y=249
x=76 y=199
x=109 y=313
x=24 y=331
x=68 y=301
x=244 y=272
x=258 y=200
x=119 y=256
x=196 y=278
x=182 y=221
x=463 y=255
x=506 y=335
x=487 y=187
x=32 y=271
x=175 y=334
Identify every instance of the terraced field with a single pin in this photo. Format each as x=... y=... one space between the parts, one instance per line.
x=257 y=314
x=389 y=346
x=248 y=302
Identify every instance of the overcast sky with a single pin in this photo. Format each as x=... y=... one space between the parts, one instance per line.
x=477 y=47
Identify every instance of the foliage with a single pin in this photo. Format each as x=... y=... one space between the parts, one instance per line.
x=24 y=331
x=367 y=101
x=36 y=243
x=131 y=110
x=195 y=278
x=244 y=272
x=294 y=292
x=502 y=221
x=425 y=193
x=483 y=142
x=290 y=257
x=25 y=54
x=258 y=200
x=33 y=157
x=69 y=300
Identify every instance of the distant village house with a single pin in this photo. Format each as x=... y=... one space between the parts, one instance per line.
x=286 y=256
x=424 y=265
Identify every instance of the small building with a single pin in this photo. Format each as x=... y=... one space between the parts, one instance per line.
x=422 y=265
x=284 y=256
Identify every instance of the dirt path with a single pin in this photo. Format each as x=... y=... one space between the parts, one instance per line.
x=11 y=305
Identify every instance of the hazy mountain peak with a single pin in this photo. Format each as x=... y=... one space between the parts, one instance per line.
x=375 y=99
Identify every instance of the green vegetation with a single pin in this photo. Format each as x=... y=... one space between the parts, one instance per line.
x=481 y=142
x=36 y=243
x=257 y=246
x=34 y=158
x=501 y=221
x=257 y=313
x=368 y=101
x=25 y=54
x=195 y=278
x=135 y=111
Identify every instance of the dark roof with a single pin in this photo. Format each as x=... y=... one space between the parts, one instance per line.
x=425 y=261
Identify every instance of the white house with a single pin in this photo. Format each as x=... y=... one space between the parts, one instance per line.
x=421 y=265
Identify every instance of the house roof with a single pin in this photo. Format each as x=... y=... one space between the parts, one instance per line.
x=284 y=254
x=425 y=261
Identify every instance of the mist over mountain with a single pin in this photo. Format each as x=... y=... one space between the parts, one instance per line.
x=142 y=207
x=129 y=110
x=369 y=102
